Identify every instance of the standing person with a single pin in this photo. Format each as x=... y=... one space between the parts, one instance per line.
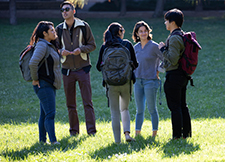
x=176 y=81
x=46 y=78
x=147 y=76
x=119 y=96
x=76 y=44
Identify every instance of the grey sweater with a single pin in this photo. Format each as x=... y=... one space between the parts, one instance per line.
x=148 y=59
x=53 y=61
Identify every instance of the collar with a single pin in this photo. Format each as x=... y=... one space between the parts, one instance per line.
x=176 y=30
x=119 y=39
x=77 y=22
x=43 y=40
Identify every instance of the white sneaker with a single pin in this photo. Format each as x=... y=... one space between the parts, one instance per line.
x=56 y=143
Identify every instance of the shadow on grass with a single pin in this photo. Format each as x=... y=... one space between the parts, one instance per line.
x=178 y=147
x=67 y=143
x=123 y=149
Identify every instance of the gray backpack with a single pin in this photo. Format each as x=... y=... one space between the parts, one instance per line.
x=24 y=60
x=116 y=65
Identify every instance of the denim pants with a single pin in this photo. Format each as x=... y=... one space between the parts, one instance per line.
x=46 y=94
x=119 y=99
x=175 y=89
x=69 y=82
x=146 y=90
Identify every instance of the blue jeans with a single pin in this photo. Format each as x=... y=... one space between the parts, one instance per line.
x=146 y=90
x=46 y=94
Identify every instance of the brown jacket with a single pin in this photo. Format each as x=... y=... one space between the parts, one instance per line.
x=73 y=62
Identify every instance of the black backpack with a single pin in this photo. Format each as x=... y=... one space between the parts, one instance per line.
x=116 y=65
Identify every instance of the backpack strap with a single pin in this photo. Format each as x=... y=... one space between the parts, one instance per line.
x=83 y=29
x=107 y=93
x=45 y=60
x=124 y=43
x=59 y=33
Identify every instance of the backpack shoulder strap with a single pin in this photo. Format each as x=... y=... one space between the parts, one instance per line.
x=83 y=29
x=60 y=30
x=45 y=59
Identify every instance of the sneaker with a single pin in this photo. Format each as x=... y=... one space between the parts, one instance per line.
x=55 y=143
x=129 y=138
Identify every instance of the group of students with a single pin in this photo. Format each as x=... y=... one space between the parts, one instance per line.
x=69 y=55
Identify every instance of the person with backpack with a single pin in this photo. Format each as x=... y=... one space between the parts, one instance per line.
x=147 y=75
x=176 y=80
x=76 y=42
x=46 y=78
x=118 y=91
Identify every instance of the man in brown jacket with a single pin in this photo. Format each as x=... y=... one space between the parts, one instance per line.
x=77 y=41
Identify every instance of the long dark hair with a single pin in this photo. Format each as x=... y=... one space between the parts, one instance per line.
x=38 y=32
x=112 y=33
x=136 y=28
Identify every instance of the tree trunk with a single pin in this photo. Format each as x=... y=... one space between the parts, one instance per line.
x=198 y=5
x=123 y=8
x=12 y=12
x=117 y=3
x=159 y=8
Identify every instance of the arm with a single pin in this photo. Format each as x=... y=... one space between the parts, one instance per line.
x=98 y=65
x=173 y=53
x=133 y=56
x=90 y=46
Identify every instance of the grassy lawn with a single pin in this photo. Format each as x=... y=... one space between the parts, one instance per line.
x=19 y=106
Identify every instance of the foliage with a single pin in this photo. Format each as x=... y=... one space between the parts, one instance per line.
x=149 y=5
x=19 y=106
x=79 y=3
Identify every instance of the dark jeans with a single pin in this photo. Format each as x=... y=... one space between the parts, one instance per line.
x=46 y=94
x=70 y=92
x=175 y=89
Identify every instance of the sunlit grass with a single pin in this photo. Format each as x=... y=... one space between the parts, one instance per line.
x=19 y=106
x=21 y=143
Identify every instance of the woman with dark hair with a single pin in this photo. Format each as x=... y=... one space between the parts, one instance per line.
x=119 y=96
x=46 y=78
x=147 y=75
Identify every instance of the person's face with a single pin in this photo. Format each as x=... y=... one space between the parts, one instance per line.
x=121 y=33
x=67 y=12
x=51 y=34
x=142 y=33
x=168 y=24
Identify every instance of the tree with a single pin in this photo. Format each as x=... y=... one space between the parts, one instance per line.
x=198 y=5
x=79 y=3
x=159 y=8
x=12 y=12
x=123 y=8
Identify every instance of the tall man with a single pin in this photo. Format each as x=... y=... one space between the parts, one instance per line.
x=76 y=42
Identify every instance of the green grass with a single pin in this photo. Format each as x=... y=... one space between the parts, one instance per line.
x=19 y=106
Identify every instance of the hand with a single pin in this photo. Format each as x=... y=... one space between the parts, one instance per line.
x=161 y=44
x=66 y=53
x=36 y=82
x=157 y=74
x=77 y=51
